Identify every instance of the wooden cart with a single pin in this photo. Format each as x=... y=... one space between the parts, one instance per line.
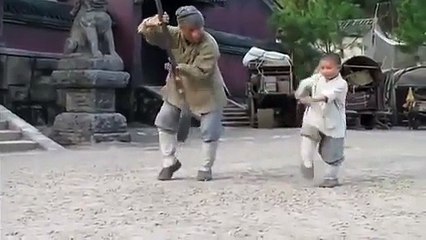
x=270 y=94
x=410 y=96
x=365 y=99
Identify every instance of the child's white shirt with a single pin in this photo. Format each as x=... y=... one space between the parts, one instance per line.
x=329 y=117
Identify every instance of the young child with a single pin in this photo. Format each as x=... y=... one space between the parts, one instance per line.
x=324 y=121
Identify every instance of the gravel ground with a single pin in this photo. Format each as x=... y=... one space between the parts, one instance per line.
x=110 y=192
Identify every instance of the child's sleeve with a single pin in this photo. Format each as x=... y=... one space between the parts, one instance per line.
x=305 y=86
x=339 y=91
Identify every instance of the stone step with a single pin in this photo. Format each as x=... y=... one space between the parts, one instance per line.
x=10 y=135
x=231 y=114
x=33 y=137
x=17 y=146
x=4 y=125
x=236 y=118
x=233 y=109
x=236 y=124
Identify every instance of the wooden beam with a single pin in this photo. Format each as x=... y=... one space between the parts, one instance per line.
x=360 y=66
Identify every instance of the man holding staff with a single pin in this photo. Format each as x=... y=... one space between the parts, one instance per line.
x=198 y=76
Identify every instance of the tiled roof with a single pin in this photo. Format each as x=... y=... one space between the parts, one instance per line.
x=239 y=45
x=25 y=11
x=216 y=2
x=47 y=14
x=272 y=3
x=356 y=27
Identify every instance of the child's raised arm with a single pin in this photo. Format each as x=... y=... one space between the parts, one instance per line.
x=305 y=86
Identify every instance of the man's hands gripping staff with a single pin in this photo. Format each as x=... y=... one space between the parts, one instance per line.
x=174 y=73
x=204 y=64
x=200 y=69
x=153 y=22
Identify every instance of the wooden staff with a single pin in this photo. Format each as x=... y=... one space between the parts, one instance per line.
x=185 y=116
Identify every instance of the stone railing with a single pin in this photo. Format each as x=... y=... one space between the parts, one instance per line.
x=26 y=86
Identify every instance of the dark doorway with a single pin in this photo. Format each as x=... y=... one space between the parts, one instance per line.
x=153 y=58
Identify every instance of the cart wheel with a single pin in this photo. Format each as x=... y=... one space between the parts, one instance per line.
x=413 y=121
x=252 y=112
x=300 y=112
x=416 y=123
x=294 y=114
x=368 y=121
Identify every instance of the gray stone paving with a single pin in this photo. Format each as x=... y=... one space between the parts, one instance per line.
x=110 y=191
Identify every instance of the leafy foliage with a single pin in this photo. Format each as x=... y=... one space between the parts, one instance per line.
x=312 y=23
x=412 y=23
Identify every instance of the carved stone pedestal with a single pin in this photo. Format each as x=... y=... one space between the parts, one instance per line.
x=72 y=128
x=89 y=98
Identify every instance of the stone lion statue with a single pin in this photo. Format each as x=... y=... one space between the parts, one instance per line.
x=91 y=32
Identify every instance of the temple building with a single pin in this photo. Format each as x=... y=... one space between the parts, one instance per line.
x=33 y=33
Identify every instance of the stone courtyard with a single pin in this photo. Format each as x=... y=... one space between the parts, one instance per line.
x=110 y=191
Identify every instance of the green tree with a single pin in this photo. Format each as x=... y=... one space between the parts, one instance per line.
x=412 y=24
x=312 y=23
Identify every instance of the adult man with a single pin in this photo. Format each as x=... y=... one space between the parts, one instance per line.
x=197 y=55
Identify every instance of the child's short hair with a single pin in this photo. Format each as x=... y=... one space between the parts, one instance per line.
x=333 y=57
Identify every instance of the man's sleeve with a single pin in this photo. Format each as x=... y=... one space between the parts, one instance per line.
x=336 y=92
x=304 y=86
x=204 y=64
x=155 y=36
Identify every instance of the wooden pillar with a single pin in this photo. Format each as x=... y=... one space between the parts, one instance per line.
x=1 y=22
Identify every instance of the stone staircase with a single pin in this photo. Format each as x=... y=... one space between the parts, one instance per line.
x=235 y=115
x=16 y=135
x=13 y=140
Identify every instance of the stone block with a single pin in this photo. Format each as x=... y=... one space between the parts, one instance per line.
x=46 y=64
x=18 y=70
x=90 y=79
x=105 y=63
x=43 y=93
x=109 y=137
x=90 y=100
x=265 y=118
x=61 y=98
x=18 y=93
x=76 y=128
x=42 y=80
x=42 y=89
x=77 y=138
x=90 y=122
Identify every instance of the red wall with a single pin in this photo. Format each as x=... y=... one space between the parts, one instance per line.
x=247 y=18
x=122 y=11
x=234 y=74
x=34 y=39
x=50 y=40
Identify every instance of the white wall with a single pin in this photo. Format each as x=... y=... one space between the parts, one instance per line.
x=388 y=52
x=354 y=47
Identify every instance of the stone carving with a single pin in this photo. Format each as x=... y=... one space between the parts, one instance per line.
x=87 y=78
x=91 y=32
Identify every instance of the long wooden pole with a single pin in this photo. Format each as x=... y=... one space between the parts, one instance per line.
x=166 y=32
x=185 y=117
